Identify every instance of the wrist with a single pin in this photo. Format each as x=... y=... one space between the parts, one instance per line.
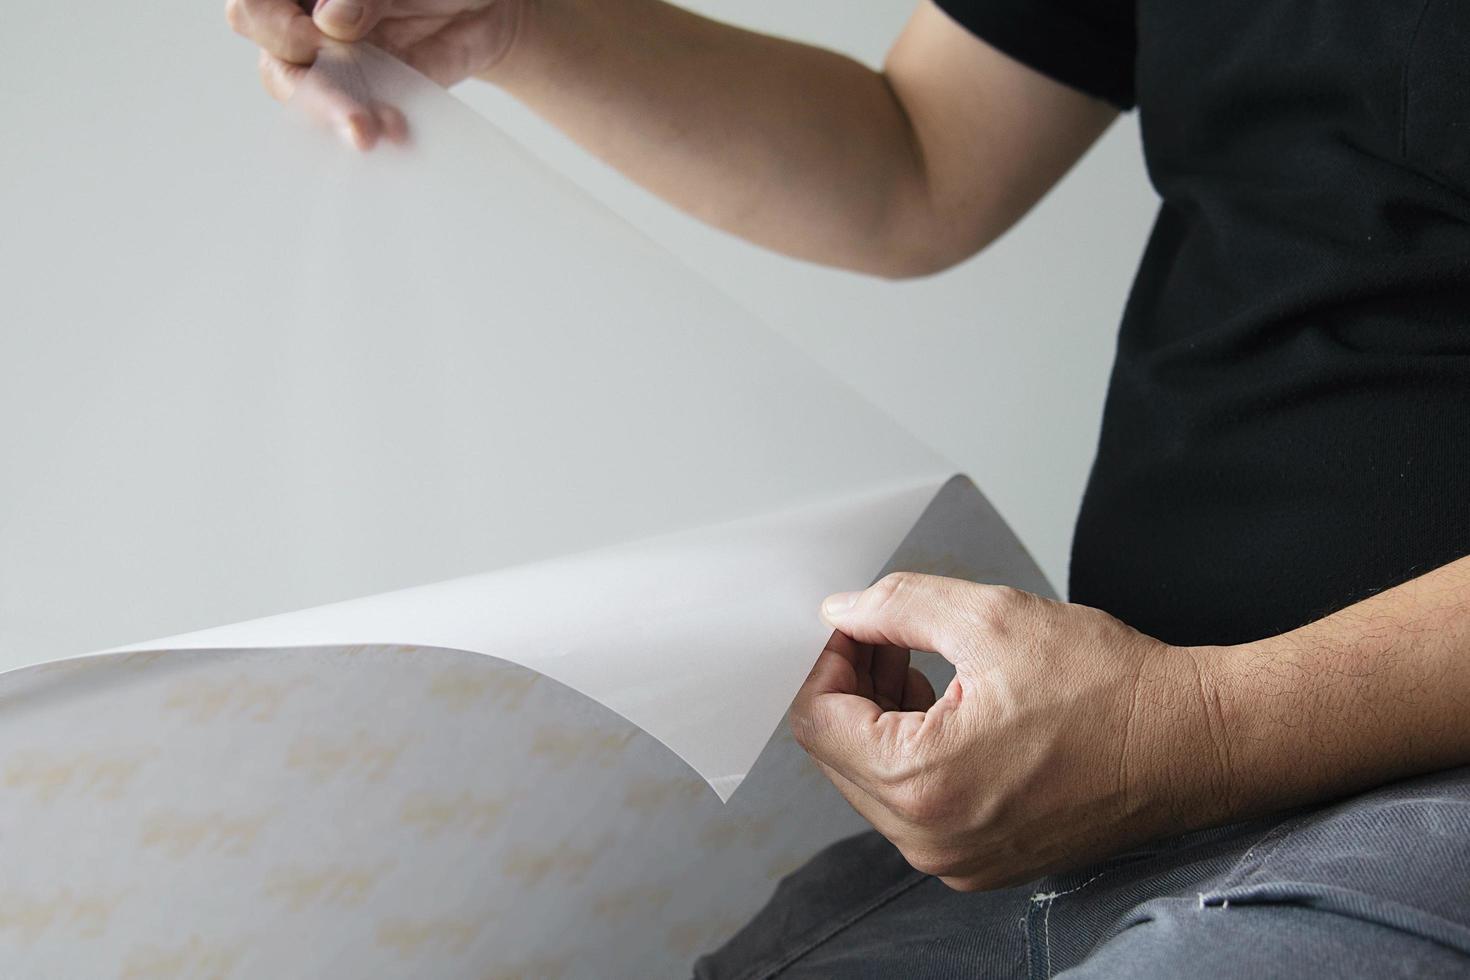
x=1202 y=739
x=1181 y=742
x=514 y=20
x=533 y=31
x=1221 y=708
x=1375 y=692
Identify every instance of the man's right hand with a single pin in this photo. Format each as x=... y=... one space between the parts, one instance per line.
x=447 y=40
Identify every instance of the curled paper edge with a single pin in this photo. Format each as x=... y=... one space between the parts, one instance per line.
x=698 y=637
x=705 y=662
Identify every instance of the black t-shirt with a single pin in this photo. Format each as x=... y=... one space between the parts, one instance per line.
x=1287 y=427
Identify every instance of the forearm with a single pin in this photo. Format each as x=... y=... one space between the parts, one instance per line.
x=795 y=148
x=1376 y=692
x=901 y=172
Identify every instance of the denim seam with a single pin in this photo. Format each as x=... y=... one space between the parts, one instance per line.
x=1286 y=834
x=1050 y=899
x=772 y=967
x=1237 y=874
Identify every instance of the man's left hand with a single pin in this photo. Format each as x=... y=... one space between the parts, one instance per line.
x=1065 y=735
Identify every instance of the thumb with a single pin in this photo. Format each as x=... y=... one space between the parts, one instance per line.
x=348 y=20
x=917 y=612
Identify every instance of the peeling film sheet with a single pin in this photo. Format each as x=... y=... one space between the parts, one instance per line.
x=521 y=529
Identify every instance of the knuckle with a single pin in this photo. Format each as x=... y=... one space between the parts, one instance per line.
x=801 y=728
x=301 y=40
x=934 y=605
x=1003 y=596
x=270 y=78
x=993 y=608
x=235 y=15
x=906 y=599
x=893 y=590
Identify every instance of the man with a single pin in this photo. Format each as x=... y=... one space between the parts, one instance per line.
x=1278 y=511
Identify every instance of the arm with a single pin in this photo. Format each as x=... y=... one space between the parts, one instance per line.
x=900 y=172
x=1066 y=737
x=1373 y=693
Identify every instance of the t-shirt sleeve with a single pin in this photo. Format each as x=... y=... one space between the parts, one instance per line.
x=1086 y=44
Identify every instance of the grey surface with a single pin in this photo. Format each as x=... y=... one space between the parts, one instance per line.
x=961 y=535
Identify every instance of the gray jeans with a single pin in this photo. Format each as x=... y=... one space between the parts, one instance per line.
x=1377 y=885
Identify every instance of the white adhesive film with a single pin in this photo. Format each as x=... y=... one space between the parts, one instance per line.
x=521 y=528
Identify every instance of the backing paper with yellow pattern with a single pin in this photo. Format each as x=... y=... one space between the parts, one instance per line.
x=553 y=515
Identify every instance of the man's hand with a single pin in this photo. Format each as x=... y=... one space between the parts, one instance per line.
x=447 y=40
x=1065 y=735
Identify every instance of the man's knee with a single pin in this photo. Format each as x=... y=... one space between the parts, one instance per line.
x=1176 y=938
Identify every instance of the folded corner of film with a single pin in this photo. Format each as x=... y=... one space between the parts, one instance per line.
x=521 y=528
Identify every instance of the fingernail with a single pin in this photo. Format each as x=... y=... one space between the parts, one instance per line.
x=837 y=605
x=343 y=15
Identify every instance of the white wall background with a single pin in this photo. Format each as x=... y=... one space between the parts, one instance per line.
x=1001 y=364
